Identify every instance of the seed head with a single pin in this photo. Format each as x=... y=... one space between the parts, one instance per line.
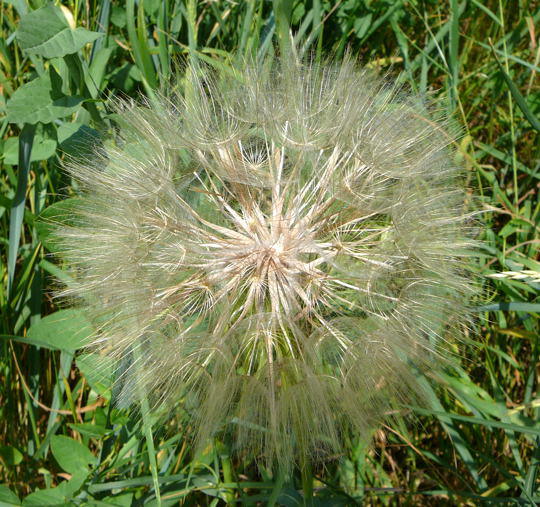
x=273 y=252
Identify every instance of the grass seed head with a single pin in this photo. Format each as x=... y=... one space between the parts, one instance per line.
x=275 y=251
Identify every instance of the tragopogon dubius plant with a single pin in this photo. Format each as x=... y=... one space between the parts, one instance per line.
x=277 y=251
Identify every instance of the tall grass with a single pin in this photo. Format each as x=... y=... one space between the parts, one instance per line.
x=62 y=440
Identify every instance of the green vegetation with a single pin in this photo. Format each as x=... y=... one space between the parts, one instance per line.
x=477 y=438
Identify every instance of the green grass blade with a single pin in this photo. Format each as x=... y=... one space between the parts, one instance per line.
x=530 y=487
x=457 y=439
x=516 y=95
x=282 y=13
x=512 y=306
x=136 y=28
x=102 y=26
x=26 y=140
x=490 y=13
x=163 y=50
x=246 y=31
x=453 y=59
x=479 y=420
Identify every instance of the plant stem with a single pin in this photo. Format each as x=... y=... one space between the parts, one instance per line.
x=307 y=484
x=147 y=430
x=278 y=486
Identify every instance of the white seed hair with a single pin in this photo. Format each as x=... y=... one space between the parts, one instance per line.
x=272 y=252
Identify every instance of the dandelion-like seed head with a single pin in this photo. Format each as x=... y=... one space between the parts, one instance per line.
x=274 y=252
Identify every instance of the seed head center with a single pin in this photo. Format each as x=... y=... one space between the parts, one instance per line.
x=271 y=254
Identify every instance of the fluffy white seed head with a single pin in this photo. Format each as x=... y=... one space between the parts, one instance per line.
x=272 y=252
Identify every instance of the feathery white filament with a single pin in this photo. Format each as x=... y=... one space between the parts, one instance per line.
x=280 y=248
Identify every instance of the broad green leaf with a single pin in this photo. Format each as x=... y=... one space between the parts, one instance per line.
x=7 y=497
x=89 y=429
x=126 y=77
x=42 y=497
x=71 y=487
x=42 y=149
x=71 y=455
x=63 y=330
x=27 y=341
x=99 y=64
x=10 y=456
x=41 y=100
x=60 y=495
x=98 y=371
x=77 y=139
x=58 y=213
x=121 y=500
x=118 y=16
x=46 y=32
x=362 y=24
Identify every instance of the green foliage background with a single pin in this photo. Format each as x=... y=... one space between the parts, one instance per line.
x=61 y=441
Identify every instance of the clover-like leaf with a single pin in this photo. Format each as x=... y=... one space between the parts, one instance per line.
x=71 y=455
x=41 y=100
x=63 y=330
x=42 y=149
x=46 y=32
